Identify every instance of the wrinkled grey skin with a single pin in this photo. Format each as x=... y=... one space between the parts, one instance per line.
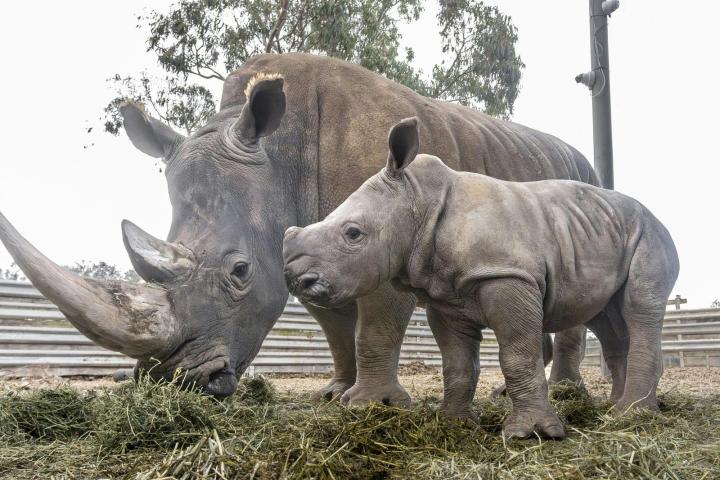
x=521 y=258
x=280 y=154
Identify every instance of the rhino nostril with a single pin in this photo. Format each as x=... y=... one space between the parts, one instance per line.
x=306 y=281
x=223 y=383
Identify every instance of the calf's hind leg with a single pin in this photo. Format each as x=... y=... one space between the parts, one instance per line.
x=610 y=329
x=652 y=274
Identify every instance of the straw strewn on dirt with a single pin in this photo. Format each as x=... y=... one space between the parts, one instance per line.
x=271 y=429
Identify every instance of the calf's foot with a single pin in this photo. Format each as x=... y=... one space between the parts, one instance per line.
x=625 y=404
x=523 y=424
x=391 y=393
x=332 y=390
x=464 y=416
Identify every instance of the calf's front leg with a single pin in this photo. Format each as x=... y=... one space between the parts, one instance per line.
x=460 y=349
x=383 y=317
x=513 y=309
x=339 y=328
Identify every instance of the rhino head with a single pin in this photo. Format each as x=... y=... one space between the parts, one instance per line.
x=365 y=241
x=215 y=286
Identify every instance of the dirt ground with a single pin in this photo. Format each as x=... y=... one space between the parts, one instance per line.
x=422 y=382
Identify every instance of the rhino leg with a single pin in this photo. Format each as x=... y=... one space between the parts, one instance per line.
x=650 y=280
x=461 y=364
x=513 y=309
x=547 y=349
x=568 y=351
x=339 y=328
x=610 y=329
x=383 y=317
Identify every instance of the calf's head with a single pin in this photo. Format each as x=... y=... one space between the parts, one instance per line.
x=365 y=241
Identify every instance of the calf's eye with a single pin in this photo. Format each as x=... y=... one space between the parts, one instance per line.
x=353 y=234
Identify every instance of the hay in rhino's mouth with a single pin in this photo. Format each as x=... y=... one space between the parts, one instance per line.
x=188 y=368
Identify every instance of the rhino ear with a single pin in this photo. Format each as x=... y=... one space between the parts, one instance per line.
x=263 y=110
x=153 y=259
x=404 y=144
x=150 y=136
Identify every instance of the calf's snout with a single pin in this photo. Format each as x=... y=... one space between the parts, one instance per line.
x=300 y=278
x=306 y=285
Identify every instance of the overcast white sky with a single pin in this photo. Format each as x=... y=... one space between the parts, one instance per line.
x=69 y=201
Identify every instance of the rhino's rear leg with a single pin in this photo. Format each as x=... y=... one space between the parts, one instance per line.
x=383 y=317
x=339 y=328
x=610 y=329
x=460 y=362
x=652 y=274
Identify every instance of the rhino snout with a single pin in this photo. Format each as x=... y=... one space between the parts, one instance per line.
x=223 y=383
x=307 y=285
x=292 y=232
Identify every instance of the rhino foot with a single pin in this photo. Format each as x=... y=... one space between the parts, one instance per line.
x=332 y=390
x=390 y=394
x=499 y=391
x=625 y=405
x=546 y=424
x=466 y=417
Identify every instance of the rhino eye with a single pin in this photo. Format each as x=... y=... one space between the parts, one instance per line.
x=240 y=270
x=353 y=234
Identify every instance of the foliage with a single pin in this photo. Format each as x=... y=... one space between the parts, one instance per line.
x=99 y=270
x=198 y=41
x=12 y=273
x=147 y=430
x=103 y=271
x=715 y=303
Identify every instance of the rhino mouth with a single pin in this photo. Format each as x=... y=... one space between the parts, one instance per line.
x=312 y=288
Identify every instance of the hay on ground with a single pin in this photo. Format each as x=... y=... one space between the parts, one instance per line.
x=147 y=430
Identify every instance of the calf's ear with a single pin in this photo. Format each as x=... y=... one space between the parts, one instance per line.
x=263 y=110
x=150 y=136
x=404 y=143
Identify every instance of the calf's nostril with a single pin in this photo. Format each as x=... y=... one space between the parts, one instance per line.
x=307 y=280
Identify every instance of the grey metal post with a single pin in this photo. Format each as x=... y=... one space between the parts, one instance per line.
x=602 y=123
x=598 y=80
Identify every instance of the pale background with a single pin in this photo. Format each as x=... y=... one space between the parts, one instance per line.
x=69 y=201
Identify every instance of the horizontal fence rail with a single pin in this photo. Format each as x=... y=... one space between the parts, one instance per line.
x=35 y=339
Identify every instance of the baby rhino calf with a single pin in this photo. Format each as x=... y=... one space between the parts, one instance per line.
x=520 y=258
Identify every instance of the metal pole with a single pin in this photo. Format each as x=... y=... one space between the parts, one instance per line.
x=598 y=80
x=602 y=123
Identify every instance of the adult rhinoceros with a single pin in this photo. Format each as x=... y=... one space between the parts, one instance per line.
x=295 y=135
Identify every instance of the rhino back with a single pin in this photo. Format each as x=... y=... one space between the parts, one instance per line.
x=339 y=114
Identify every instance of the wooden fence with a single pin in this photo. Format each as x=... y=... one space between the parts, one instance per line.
x=35 y=339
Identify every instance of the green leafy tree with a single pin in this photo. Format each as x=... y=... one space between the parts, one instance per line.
x=200 y=41
x=103 y=271
x=12 y=273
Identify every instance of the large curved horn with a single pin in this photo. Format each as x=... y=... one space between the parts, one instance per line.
x=133 y=319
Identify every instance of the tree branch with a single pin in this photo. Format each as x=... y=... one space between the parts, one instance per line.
x=278 y=26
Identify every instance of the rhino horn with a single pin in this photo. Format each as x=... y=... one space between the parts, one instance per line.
x=130 y=318
x=156 y=260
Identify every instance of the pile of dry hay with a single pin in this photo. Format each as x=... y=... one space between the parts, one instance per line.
x=146 y=430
